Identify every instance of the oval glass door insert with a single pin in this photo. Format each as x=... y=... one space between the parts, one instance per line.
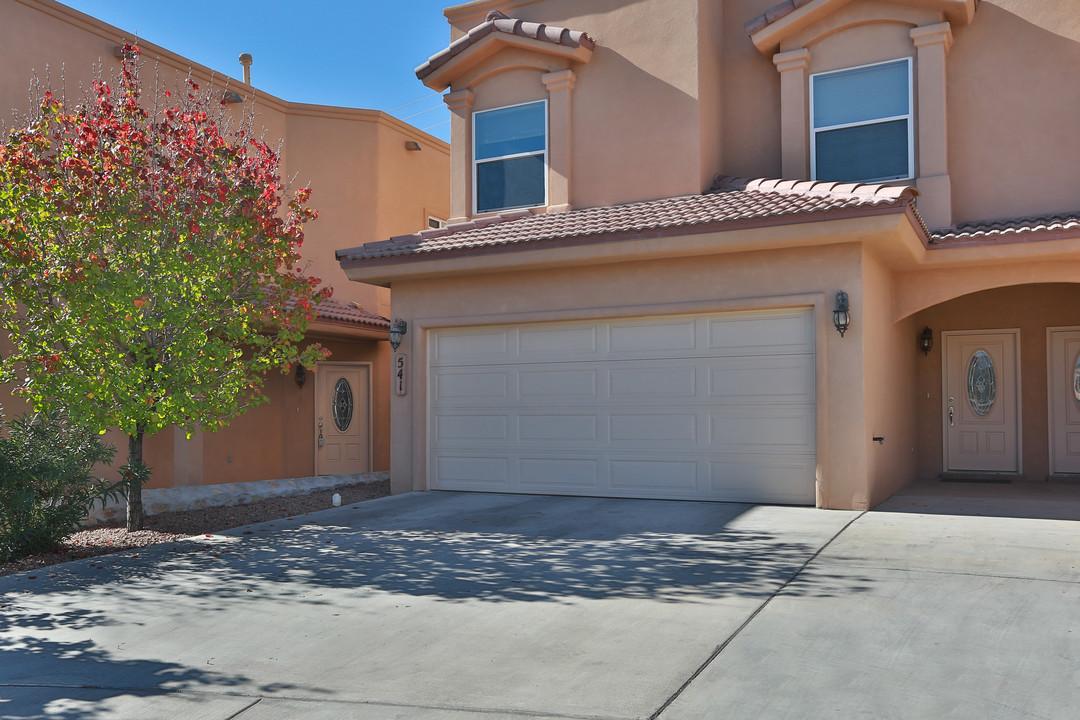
x=1076 y=380
x=343 y=404
x=981 y=383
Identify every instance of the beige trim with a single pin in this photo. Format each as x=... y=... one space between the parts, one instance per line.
x=794 y=67
x=822 y=312
x=771 y=37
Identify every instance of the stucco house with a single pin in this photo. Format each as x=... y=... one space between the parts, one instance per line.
x=372 y=176
x=732 y=250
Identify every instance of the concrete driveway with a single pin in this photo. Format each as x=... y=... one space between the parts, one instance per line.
x=442 y=606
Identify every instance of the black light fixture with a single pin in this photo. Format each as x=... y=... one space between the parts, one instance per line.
x=301 y=375
x=926 y=341
x=841 y=316
x=397 y=330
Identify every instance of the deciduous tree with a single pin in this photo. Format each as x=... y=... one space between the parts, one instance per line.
x=150 y=267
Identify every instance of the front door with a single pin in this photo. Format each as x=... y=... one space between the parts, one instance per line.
x=981 y=402
x=1064 y=400
x=343 y=418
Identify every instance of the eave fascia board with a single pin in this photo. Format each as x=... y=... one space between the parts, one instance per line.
x=860 y=227
x=443 y=76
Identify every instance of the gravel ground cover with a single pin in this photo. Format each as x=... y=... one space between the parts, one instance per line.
x=171 y=526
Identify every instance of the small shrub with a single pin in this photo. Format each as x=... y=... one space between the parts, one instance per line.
x=47 y=485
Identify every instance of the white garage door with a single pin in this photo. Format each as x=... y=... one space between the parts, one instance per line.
x=717 y=407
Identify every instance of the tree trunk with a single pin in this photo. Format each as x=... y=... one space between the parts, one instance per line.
x=135 y=483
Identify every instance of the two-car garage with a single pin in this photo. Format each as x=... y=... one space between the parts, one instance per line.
x=709 y=407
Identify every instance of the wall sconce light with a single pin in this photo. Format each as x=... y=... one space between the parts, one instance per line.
x=301 y=375
x=231 y=97
x=841 y=316
x=926 y=341
x=412 y=145
x=397 y=330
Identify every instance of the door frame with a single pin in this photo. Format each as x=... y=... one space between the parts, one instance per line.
x=945 y=334
x=315 y=410
x=1050 y=429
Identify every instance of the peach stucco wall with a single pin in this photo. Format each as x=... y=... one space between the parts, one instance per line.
x=366 y=186
x=676 y=92
x=707 y=283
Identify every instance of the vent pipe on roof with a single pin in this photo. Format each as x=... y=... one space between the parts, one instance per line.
x=246 y=60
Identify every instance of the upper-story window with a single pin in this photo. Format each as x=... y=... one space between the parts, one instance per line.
x=861 y=123
x=510 y=160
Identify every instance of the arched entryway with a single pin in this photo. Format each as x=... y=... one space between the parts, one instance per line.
x=1007 y=358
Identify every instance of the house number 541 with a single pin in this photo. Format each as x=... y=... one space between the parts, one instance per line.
x=400 y=376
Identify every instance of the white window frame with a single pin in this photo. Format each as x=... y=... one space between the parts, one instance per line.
x=910 y=117
x=475 y=162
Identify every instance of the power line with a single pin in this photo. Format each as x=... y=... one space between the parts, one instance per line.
x=413 y=102
x=437 y=107
x=435 y=125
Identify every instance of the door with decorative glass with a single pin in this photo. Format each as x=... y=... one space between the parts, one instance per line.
x=342 y=418
x=1063 y=351
x=981 y=397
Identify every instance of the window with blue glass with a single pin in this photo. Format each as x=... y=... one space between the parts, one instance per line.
x=862 y=123
x=510 y=157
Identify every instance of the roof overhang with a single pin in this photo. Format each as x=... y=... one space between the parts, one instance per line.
x=782 y=21
x=891 y=225
x=474 y=54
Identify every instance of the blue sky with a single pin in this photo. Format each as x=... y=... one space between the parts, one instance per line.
x=354 y=53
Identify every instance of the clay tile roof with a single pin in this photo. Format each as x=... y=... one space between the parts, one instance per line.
x=499 y=22
x=349 y=313
x=1009 y=230
x=728 y=204
x=772 y=15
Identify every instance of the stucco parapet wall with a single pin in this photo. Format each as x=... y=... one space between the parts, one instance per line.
x=496 y=32
x=169 y=60
x=783 y=20
x=196 y=497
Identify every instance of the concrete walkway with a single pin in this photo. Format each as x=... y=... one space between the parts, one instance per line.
x=442 y=606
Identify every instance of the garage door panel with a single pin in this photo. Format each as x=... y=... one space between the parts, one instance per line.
x=654 y=475
x=788 y=379
x=653 y=428
x=484 y=470
x=471 y=386
x=663 y=335
x=471 y=427
x=470 y=346
x=546 y=383
x=541 y=344
x=564 y=473
x=564 y=428
x=755 y=479
x=651 y=408
x=761 y=333
x=774 y=430
x=664 y=379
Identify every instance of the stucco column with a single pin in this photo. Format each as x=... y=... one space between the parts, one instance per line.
x=794 y=113
x=559 y=84
x=932 y=43
x=460 y=103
